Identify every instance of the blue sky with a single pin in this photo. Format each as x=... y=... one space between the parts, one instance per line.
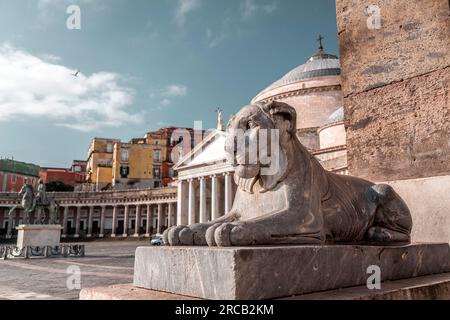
x=144 y=65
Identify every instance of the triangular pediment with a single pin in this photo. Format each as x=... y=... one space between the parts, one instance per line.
x=210 y=150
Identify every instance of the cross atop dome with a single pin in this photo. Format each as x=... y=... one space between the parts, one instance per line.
x=320 y=42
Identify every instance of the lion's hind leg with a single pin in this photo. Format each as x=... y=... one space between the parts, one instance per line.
x=392 y=221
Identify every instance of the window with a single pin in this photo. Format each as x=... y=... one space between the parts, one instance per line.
x=156 y=142
x=109 y=147
x=171 y=172
x=13 y=178
x=157 y=156
x=77 y=169
x=157 y=173
x=125 y=155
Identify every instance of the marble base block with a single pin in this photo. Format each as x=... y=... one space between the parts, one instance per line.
x=38 y=235
x=245 y=273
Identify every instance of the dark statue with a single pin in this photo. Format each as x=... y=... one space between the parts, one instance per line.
x=37 y=203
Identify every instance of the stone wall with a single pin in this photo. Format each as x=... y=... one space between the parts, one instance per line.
x=396 y=83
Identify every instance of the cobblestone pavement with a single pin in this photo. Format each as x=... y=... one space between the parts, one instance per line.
x=105 y=263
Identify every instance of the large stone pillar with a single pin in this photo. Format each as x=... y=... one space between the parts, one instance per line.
x=65 y=218
x=395 y=82
x=77 y=222
x=182 y=205
x=10 y=223
x=137 y=222
x=114 y=222
x=215 y=198
x=192 y=199
x=160 y=218
x=395 y=94
x=91 y=216
x=170 y=216
x=149 y=222
x=125 y=222
x=228 y=192
x=203 y=208
x=102 y=222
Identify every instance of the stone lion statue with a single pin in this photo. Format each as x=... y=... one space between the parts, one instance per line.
x=300 y=203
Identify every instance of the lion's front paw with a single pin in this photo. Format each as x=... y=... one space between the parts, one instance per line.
x=178 y=236
x=231 y=234
x=186 y=235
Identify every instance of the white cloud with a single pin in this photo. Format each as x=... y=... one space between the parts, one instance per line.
x=174 y=90
x=185 y=7
x=165 y=102
x=50 y=57
x=33 y=88
x=249 y=8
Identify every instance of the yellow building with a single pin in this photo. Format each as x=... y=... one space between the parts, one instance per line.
x=133 y=165
x=137 y=164
x=100 y=162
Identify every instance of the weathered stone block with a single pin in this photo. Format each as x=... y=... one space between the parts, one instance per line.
x=395 y=82
x=38 y=235
x=273 y=272
x=413 y=40
x=400 y=131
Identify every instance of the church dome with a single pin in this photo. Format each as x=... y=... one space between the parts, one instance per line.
x=313 y=89
x=337 y=116
x=321 y=64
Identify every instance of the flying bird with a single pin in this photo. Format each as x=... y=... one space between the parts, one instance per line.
x=76 y=73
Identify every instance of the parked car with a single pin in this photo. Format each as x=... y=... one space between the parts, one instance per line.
x=157 y=241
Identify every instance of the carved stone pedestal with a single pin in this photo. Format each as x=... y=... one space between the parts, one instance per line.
x=38 y=235
x=281 y=271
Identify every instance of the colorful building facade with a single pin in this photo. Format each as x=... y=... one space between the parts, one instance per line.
x=141 y=163
x=14 y=174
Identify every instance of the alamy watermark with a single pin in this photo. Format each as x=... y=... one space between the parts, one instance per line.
x=73 y=22
x=374 y=19
x=374 y=280
x=254 y=146
x=73 y=281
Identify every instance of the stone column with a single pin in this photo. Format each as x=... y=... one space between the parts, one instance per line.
x=160 y=218
x=77 y=222
x=91 y=215
x=125 y=222
x=228 y=192
x=182 y=205
x=102 y=222
x=170 y=216
x=191 y=201
x=137 y=222
x=65 y=217
x=215 y=198
x=203 y=209
x=114 y=222
x=10 y=222
x=149 y=222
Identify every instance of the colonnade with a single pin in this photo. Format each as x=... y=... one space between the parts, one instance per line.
x=197 y=205
x=120 y=212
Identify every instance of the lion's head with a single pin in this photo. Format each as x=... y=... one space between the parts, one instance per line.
x=257 y=143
